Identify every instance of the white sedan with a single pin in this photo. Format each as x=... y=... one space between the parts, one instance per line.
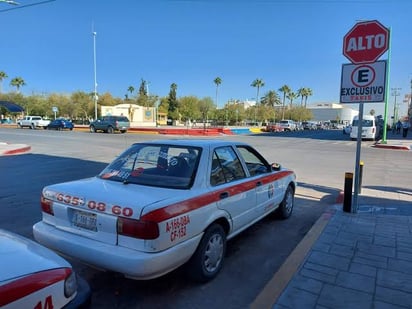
x=163 y=204
x=32 y=276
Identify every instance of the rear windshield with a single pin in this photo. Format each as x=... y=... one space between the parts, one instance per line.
x=365 y=123
x=125 y=119
x=167 y=166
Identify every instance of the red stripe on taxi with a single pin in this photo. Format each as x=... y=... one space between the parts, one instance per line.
x=185 y=206
x=24 y=286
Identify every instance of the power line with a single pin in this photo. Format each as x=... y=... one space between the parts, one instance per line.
x=26 y=5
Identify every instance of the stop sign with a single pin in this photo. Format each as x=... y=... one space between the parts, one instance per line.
x=366 y=42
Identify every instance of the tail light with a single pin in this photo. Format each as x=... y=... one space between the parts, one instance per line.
x=137 y=228
x=46 y=205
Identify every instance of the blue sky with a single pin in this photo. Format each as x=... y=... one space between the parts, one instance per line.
x=191 y=42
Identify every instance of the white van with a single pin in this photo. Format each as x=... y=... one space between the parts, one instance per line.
x=369 y=130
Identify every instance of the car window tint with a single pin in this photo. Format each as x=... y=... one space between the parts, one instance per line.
x=255 y=163
x=225 y=165
x=155 y=165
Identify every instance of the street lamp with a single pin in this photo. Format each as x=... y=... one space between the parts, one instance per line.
x=95 y=97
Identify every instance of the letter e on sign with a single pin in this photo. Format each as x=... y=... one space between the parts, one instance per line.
x=363 y=76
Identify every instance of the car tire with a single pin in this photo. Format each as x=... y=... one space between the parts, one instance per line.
x=92 y=129
x=32 y=126
x=123 y=131
x=110 y=130
x=208 y=258
x=286 y=206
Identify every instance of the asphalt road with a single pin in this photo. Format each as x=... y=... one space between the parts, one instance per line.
x=320 y=159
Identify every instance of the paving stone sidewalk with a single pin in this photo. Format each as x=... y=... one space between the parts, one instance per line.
x=361 y=260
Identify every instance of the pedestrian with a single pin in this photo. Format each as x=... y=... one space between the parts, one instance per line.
x=398 y=127
x=405 y=128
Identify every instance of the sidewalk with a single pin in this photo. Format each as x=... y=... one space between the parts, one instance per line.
x=350 y=260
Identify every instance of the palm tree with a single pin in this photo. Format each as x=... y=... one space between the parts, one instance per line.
x=258 y=83
x=217 y=82
x=301 y=93
x=3 y=76
x=17 y=82
x=291 y=96
x=308 y=93
x=271 y=99
x=131 y=90
x=285 y=89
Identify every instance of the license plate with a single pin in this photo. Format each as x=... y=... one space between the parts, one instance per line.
x=85 y=220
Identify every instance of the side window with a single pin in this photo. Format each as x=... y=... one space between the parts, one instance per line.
x=226 y=166
x=255 y=163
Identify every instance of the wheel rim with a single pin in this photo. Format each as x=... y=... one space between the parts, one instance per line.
x=289 y=201
x=213 y=253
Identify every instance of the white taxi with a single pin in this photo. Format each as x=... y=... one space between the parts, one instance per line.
x=32 y=276
x=163 y=204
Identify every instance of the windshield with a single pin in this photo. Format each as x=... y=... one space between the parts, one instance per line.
x=365 y=123
x=155 y=165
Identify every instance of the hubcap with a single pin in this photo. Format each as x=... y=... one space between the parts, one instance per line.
x=213 y=253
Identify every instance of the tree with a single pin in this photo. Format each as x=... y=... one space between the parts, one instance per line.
x=285 y=89
x=291 y=96
x=372 y=112
x=271 y=99
x=17 y=82
x=205 y=105
x=258 y=83
x=3 y=76
x=217 y=82
x=173 y=103
x=131 y=90
x=308 y=93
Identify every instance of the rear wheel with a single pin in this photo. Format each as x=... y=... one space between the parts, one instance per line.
x=207 y=261
x=92 y=129
x=33 y=126
x=286 y=206
x=110 y=130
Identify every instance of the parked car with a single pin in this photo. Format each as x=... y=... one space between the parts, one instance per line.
x=61 y=124
x=309 y=125
x=110 y=124
x=163 y=204
x=369 y=128
x=32 y=276
x=33 y=122
x=287 y=125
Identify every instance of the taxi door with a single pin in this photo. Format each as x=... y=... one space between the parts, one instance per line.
x=236 y=194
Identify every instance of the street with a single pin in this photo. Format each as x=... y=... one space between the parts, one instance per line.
x=320 y=159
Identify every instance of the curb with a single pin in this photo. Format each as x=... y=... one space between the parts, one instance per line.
x=14 y=150
x=278 y=283
x=400 y=147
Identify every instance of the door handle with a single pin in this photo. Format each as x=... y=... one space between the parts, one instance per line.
x=224 y=195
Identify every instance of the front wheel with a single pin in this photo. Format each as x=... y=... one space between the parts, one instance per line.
x=208 y=258
x=110 y=130
x=92 y=129
x=286 y=206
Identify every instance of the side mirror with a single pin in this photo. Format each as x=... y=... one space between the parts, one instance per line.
x=276 y=166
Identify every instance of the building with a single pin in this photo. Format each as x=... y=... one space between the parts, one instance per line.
x=138 y=115
x=332 y=111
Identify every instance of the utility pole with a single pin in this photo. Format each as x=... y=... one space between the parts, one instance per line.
x=395 y=93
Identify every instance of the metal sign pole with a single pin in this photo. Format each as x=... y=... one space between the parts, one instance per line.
x=357 y=164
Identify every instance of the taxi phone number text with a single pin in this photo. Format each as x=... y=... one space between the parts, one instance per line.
x=99 y=206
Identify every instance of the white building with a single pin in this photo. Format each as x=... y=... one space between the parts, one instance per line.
x=332 y=111
x=138 y=115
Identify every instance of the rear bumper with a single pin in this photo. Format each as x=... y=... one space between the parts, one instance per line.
x=133 y=264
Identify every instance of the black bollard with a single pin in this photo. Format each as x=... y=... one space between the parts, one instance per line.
x=360 y=176
x=347 y=194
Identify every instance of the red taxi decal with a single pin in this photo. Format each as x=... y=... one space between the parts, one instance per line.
x=93 y=205
x=24 y=286
x=185 y=206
